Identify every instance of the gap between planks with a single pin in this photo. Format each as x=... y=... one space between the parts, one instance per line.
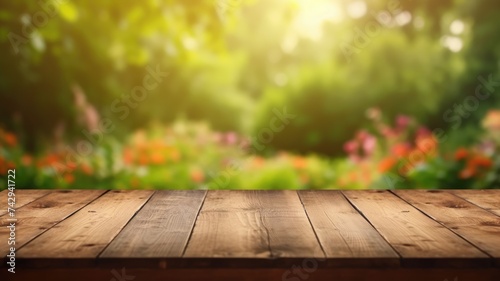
x=472 y=223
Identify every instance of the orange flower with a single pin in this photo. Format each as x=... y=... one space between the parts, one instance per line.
x=387 y=164
x=10 y=139
x=257 y=161
x=428 y=144
x=492 y=120
x=353 y=176
x=69 y=178
x=157 y=144
x=304 y=179
x=461 y=153
x=480 y=161
x=143 y=159
x=86 y=169
x=401 y=149
x=27 y=160
x=50 y=159
x=128 y=156
x=157 y=158
x=468 y=172
x=197 y=176
x=175 y=155
x=11 y=165
x=475 y=162
x=71 y=166
x=299 y=162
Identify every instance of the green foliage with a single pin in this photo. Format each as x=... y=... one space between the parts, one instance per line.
x=66 y=65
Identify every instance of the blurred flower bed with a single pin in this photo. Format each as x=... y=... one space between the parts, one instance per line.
x=398 y=154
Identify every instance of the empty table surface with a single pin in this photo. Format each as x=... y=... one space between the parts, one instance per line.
x=254 y=235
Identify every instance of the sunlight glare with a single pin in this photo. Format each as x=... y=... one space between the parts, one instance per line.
x=312 y=15
x=357 y=9
x=457 y=27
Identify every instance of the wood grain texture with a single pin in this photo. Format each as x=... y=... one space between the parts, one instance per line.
x=416 y=237
x=475 y=224
x=253 y=224
x=255 y=231
x=87 y=232
x=23 y=197
x=343 y=232
x=486 y=199
x=43 y=213
x=162 y=227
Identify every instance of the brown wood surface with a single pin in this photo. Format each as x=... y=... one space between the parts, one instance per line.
x=343 y=232
x=474 y=224
x=486 y=199
x=253 y=224
x=86 y=233
x=161 y=229
x=40 y=215
x=23 y=197
x=258 y=235
x=415 y=236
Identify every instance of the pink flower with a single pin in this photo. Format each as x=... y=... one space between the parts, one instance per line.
x=387 y=131
x=369 y=145
x=423 y=132
x=362 y=135
x=351 y=147
x=231 y=138
x=402 y=121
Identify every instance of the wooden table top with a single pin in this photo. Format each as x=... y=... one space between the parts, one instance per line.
x=167 y=229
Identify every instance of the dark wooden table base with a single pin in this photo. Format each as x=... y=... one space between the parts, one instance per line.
x=253 y=235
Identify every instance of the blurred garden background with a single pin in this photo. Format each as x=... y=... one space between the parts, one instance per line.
x=237 y=94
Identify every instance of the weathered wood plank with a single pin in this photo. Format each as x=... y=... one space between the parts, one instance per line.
x=87 y=232
x=416 y=237
x=161 y=228
x=486 y=199
x=23 y=197
x=474 y=224
x=43 y=213
x=253 y=224
x=343 y=232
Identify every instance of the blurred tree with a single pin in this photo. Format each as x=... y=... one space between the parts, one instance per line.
x=231 y=62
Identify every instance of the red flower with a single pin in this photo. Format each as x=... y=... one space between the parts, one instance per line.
x=461 y=154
